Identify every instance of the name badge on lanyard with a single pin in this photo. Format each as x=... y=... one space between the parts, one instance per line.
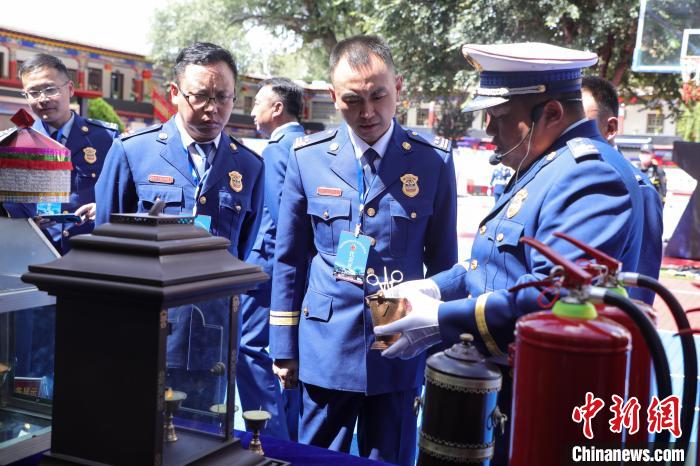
x=353 y=248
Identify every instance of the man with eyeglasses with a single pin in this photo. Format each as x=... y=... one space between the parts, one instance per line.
x=48 y=90
x=195 y=168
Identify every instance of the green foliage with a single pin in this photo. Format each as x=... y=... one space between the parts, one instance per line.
x=99 y=109
x=425 y=36
x=184 y=22
x=689 y=122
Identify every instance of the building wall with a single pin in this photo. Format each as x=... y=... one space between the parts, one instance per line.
x=636 y=119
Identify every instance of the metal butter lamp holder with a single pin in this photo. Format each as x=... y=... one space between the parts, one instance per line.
x=173 y=401
x=256 y=421
x=385 y=310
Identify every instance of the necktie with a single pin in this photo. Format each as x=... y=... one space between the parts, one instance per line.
x=200 y=155
x=369 y=167
x=206 y=150
x=57 y=136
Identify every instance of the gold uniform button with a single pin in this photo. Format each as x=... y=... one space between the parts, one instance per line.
x=84 y=129
x=406 y=146
x=233 y=146
x=157 y=199
x=162 y=136
x=482 y=230
x=372 y=242
x=238 y=208
x=94 y=175
x=306 y=312
x=371 y=212
x=326 y=215
x=65 y=233
x=202 y=200
x=370 y=271
x=414 y=215
x=66 y=212
x=474 y=264
x=499 y=237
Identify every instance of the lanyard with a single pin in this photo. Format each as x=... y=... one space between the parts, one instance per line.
x=361 y=189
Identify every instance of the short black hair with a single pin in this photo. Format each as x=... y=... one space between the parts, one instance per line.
x=42 y=60
x=603 y=92
x=359 y=50
x=289 y=92
x=203 y=53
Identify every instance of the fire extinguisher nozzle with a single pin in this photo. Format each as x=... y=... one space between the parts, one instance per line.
x=597 y=294
x=628 y=278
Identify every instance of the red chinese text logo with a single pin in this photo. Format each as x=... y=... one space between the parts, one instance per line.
x=661 y=415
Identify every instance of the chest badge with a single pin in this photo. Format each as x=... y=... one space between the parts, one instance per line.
x=90 y=154
x=410 y=185
x=236 y=181
x=516 y=203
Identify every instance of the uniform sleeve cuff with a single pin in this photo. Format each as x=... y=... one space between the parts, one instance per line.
x=452 y=283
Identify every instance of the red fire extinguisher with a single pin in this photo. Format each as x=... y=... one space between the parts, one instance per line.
x=610 y=277
x=605 y=270
x=562 y=355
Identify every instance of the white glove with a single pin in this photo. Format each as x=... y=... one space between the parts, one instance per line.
x=425 y=286
x=419 y=329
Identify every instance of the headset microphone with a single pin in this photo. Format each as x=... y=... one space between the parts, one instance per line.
x=496 y=157
x=535 y=115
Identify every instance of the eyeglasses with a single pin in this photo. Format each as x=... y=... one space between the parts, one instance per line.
x=51 y=91
x=202 y=100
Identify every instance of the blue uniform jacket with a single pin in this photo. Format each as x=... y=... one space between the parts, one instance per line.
x=275 y=156
x=580 y=186
x=652 y=237
x=328 y=327
x=152 y=164
x=89 y=141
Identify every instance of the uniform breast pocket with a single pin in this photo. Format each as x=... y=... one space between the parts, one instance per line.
x=407 y=220
x=149 y=194
x=85 y=185
x=232 y=211
x=330 y=216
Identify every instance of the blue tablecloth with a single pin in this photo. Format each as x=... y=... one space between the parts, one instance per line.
x=295 y=453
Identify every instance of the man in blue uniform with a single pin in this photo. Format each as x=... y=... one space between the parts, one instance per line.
x=499 y=178
x=276 y=111
x=48 y=90
x=356 y=200
x=567 y=179
x=601 y=104
x=195 y=168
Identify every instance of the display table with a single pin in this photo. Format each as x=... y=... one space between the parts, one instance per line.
x=295 y=453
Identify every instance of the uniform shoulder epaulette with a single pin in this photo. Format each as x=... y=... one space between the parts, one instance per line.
x=103 y=124
x=437 y=142
x=582 y=149
x=148 y=129
x=311 y=139
x=240 y=143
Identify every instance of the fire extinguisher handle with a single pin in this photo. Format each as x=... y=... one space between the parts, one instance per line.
x=610 y=262
x=574 y=275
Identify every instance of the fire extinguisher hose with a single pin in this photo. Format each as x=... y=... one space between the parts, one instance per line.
x=651 y=337
x=690 y=356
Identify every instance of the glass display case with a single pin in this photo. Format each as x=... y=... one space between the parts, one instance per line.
x=145 y=345
x=27 y=319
